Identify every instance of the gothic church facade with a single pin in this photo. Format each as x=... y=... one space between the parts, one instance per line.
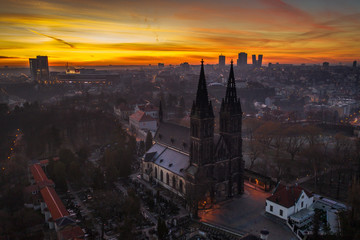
x=182 y=158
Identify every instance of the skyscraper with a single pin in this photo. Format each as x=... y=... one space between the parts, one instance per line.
x=242 y=59
x=259 y=62
x=354 y=64
x=221 y=61
x=254 y=62
x=39 y=69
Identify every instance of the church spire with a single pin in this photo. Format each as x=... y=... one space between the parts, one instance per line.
x=231 y=102
x=231 y=88
x=202 y=106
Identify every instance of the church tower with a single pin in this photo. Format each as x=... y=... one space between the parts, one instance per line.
x=201 y=125
x=230 y=130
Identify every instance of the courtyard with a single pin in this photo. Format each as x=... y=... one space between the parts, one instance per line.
x=246 y=214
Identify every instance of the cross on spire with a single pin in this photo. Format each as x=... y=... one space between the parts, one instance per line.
x=202 y=104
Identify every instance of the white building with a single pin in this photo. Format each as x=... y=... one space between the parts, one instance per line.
x=287 y=200
x=148 y=109
x=141 y=121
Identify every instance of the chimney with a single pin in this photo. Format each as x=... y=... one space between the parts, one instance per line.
x=264 y=234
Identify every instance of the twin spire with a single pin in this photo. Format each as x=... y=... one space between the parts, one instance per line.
x=202 y=107
x=231 y=103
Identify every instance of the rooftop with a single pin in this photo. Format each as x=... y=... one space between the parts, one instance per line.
x=287 y=196
x=38 y=173
x=173 y=135
x=54 y=204
x=141 y=116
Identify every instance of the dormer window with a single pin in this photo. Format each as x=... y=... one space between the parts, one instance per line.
x=184 y=144
x=181 y=170
x=160 y=136
x=170 y=165
x=161 y=160
x=172 y=140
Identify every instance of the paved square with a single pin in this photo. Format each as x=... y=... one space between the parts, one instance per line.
x=247 y=214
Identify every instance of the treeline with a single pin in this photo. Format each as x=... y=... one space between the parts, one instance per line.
x=119 y=157
x=46 y=130
x=288 y=144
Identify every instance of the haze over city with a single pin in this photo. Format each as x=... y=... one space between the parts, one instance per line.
x=189 y=120
x=147 y=32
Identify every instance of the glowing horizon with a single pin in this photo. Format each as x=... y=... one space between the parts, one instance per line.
x=89 y=32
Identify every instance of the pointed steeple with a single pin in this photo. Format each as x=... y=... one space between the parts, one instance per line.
x=202 y=105
x=231 y=102
x=161 y=114
x=231 y=88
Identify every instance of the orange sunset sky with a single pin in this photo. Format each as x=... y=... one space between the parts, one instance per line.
x=102 y=32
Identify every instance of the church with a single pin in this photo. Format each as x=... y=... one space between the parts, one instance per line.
x=196 y=160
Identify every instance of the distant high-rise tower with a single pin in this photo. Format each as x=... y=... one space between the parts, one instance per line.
x=221 y=61
x=39 y=69
x=242 y=59
x=254 y=60
x=354 y=64
x=259 y=62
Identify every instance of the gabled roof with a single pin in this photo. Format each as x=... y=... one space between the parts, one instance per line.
x=54 y=204
x=38 y=173
x=173 y=160
x=173 y=135
x=149 y=156
x=287 y=196
x=141 y=116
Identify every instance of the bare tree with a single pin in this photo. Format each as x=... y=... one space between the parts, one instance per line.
x=255 y=150
x=294 y=140
x=316 y=158
x=266 y=132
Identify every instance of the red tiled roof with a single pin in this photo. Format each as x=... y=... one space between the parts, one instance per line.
x=287 y=196
x=72 y=233
x=53 y=202
x=140 y=116
x=44 y=162
x=38 y=173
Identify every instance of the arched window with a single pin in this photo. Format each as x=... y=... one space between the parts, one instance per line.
x=181 y=186
x=174 y=182
x=167 y=179
x=155 y=172
x=161 y=176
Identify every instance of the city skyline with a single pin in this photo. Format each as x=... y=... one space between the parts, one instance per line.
x=141 y=33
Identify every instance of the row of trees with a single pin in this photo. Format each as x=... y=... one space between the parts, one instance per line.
x=287 y=143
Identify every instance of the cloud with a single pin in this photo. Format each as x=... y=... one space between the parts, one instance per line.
x=7 y=57
x=57 y=39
